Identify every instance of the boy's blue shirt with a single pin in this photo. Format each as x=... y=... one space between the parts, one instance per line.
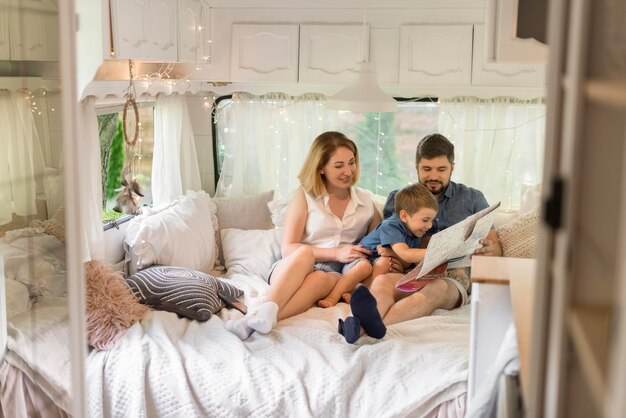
x=390 y=231
x=455 y=204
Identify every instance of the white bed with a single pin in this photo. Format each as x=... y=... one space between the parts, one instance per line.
x=167 y=366
x=175 y=367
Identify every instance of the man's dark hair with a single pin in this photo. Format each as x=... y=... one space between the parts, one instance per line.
x=433 y=146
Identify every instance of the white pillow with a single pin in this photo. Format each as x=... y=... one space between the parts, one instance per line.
x=252 y=251
x=278 y=209
x=530 y=198
x=17 y=297
x=36 y=260
x=246 y=212
x=180 y=234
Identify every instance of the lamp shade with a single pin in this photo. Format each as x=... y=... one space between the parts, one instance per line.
x=363 y=94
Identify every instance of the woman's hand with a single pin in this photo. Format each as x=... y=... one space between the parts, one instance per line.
x=349 y=253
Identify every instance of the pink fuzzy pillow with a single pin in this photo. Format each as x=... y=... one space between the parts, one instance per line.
x=111 y=306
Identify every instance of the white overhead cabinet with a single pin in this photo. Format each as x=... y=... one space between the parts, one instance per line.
x=328 y=53
x=145 y=29
x=194 y=37
x=32 y=31
x=436 y=54
x=502 y=20
x=486 y=73
x=264 y=53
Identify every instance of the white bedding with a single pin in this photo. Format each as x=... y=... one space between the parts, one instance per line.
x=166 y=366
x=171 y=367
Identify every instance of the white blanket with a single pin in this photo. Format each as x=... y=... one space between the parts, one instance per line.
x=171 y=367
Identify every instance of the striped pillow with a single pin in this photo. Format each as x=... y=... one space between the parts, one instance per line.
x=188 y=293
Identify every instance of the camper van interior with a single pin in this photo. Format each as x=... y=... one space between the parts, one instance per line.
x=151 y=150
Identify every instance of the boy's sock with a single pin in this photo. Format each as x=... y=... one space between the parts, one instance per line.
x=350 y=329
x=240 y=327
x=265 y=318
x=363 y=305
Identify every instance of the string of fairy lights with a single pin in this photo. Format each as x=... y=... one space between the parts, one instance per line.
x=281 y=127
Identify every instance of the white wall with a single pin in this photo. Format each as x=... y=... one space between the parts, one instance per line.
x=89 y=45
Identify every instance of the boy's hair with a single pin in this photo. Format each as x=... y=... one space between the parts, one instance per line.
x=433 y=146
x=413 y=198
x=319 y=154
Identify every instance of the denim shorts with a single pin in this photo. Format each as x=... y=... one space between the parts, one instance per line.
x=326 y=266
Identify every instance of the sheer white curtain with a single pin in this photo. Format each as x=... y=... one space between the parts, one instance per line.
x=174 y=163
x=266 y=139
x=90 y=181
x=499 y=144
x=22 y=166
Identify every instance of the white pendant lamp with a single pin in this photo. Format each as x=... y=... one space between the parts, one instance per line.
x=363 y=94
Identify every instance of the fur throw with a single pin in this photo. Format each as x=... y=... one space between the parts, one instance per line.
x=111 y=306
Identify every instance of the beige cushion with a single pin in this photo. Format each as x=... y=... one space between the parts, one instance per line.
x=249 y=212
x=518 y=237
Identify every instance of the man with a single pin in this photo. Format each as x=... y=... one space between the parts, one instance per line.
x=383 y=304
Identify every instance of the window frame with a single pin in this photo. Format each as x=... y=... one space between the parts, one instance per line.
x=118 y=107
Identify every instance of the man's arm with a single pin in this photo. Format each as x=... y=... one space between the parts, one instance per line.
x=390 y=205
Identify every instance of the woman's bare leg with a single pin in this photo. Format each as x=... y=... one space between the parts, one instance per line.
x=286 y=281
x=315 y=286
x=289 y=275
x=346 y=283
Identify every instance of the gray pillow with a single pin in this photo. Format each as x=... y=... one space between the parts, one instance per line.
x=188 y=293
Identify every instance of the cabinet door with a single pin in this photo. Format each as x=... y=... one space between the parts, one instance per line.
x=436 y=54
x=144 y=29
x=34 y=27
x=129 y=23
x=163 y=28
x=264 y=53
x=193 y=31
x=502 y=74
x=328 y=53
x=502 y=22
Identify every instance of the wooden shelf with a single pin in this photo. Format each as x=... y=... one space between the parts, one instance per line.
x=607 y=92
x=589 y=331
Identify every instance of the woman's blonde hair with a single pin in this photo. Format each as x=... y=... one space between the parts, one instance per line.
x=319 y=154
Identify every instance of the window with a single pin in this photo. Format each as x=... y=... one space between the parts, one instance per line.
x=115 y=155
x=261 y=142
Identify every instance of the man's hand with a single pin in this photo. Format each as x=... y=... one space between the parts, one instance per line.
x=486 y=249
x=490 y=245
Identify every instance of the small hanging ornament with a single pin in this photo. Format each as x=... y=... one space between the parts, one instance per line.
x=129 y=197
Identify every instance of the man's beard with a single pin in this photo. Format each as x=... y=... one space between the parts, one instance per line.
x=435 y=187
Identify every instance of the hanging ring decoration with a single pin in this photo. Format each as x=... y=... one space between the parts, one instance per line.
x=128 y=125
x=131 y=104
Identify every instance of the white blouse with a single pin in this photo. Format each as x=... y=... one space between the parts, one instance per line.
x=325 y=230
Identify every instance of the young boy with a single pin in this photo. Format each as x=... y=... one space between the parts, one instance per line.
x=415 y=210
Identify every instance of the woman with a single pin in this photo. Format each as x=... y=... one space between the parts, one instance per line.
x=325 y=216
